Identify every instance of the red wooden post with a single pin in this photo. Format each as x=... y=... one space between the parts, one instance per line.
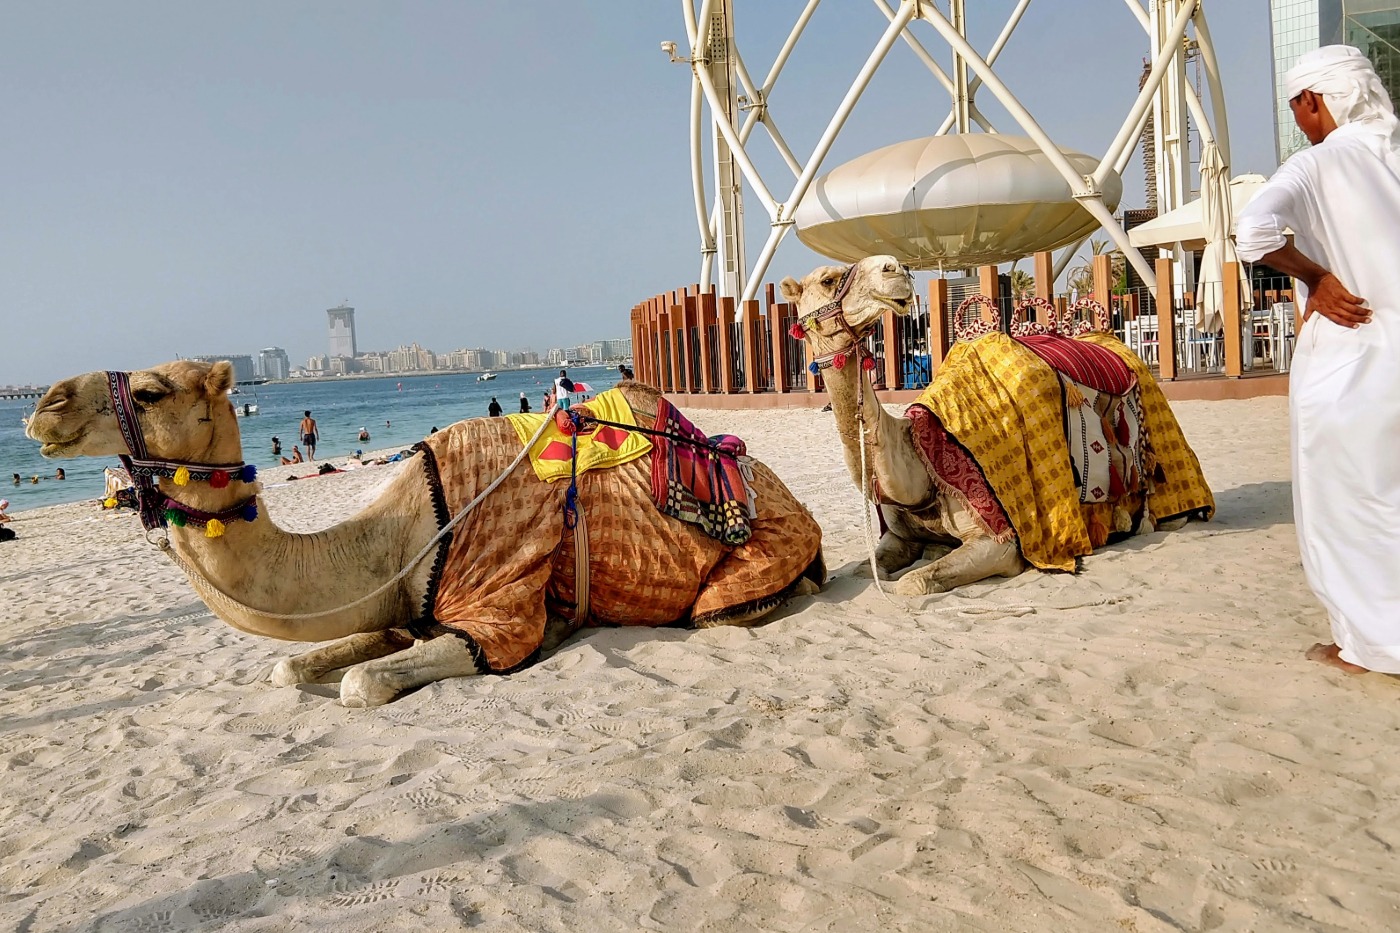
x=891 y=350
x=664 y=371
x=707 y=320
x=940 y=334
x=751 y=332
x=689 y=312
x=1166 y=322
x=777 y=326
x=1234 y=320
x=677 y=318
x=726 y=345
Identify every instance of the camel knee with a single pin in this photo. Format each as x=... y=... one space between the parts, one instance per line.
x=894 y=553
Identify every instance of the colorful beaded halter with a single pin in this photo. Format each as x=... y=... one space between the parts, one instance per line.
x=832 y=309
x=158 y=510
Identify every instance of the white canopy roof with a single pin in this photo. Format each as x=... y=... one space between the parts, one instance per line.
x=1187 y=224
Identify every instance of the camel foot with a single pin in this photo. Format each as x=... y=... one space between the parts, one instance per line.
x=287 y=674
x=805 y=587
x=1176 y=524
x=918 y=585
x=361 y=689
x=1332 y=655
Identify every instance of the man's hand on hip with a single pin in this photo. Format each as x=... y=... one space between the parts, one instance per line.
x=1331 y=299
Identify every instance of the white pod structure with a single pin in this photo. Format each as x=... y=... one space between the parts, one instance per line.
x=955 y=201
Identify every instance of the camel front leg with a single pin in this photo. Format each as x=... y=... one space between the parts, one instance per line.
x=310 y=667
x=977 y=559
x=375 y=683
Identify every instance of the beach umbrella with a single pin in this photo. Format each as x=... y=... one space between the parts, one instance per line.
x=583 y=387
x=1186 y=224
x=1218 y=219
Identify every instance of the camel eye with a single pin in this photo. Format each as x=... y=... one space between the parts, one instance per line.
x=829 y=281
x=148 y=396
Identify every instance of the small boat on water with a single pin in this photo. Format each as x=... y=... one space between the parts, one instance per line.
x=485 y=377
x=242 y=407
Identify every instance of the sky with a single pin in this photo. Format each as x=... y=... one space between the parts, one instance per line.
x=198 y=178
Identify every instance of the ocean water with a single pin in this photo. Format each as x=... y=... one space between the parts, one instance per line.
x=398 y=411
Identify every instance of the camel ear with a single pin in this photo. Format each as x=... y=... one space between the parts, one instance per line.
x=791 y=289
x=220 y=379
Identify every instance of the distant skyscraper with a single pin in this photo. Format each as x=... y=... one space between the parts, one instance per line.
x=242 y=364
x=1298 y=26
x=273 y=363
x=342 y=331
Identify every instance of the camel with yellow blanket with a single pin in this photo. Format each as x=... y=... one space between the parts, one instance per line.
x=1028 y=449
x=408 y=593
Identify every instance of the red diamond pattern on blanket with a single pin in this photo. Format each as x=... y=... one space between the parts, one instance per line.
x=556 y=450
x=1097 y=447
x=610 y=437
x=1097 y=491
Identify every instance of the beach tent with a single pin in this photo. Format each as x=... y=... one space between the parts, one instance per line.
x=1187 y=224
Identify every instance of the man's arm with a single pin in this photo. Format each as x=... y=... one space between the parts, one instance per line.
x=1326 y=294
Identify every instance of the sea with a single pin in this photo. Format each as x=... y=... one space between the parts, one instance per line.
x=398 y=411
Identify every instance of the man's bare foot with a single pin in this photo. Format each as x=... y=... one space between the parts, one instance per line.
x=1331 y=654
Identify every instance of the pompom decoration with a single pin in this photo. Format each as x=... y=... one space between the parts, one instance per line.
x=250 y=511
x=218 y=480
x=838 y=361
x=182 y=477
x=797 y=331
x=109 y=503
x=248 y=473
x=175 y=518
x=214 y=529
x=868 y=363
x=813 y=368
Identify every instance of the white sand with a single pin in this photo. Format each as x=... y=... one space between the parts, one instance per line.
x=1140 y=747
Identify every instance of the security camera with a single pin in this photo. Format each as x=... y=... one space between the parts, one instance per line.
x=668 y=47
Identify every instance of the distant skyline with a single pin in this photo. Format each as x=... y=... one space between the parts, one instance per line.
x=183 y=179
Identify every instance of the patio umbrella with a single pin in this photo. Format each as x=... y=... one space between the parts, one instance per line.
x=1218 y=219
x=1186 y=224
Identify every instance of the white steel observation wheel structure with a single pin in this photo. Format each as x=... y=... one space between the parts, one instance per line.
x=723 y=90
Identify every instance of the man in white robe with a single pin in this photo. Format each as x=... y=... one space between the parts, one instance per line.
x=1341 y=200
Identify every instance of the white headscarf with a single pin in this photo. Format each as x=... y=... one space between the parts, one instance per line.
x=1349 y=86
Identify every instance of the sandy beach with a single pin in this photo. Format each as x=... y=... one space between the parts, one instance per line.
x=1138 y=747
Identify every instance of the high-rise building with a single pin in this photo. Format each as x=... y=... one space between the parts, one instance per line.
x=242 y=364
x=1298 y=26
x=273 y=363
x=342 y=332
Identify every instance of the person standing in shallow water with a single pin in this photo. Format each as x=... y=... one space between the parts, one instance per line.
x=309 y=435
x=524 y=404
x=494 y=409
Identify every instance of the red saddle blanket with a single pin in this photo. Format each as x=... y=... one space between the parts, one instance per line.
x=955 y=471
x=700 y=479
x=1086 y=363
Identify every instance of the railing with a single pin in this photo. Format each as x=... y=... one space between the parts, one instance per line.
x=691 y=342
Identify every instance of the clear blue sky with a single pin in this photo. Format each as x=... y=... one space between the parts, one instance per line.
x=188 y=178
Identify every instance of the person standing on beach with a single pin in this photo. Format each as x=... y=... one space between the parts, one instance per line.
x=524 y=404
x=494 y=409
x=1341 y=201
x=309 y=435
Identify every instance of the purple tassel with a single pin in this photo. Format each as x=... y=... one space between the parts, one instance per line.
x=248 y=473
x=250 y=511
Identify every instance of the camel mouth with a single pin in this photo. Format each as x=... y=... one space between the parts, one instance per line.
x=58 y=448
x=899 y=306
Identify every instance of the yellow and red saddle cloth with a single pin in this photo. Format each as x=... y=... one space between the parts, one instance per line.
x=552 y=455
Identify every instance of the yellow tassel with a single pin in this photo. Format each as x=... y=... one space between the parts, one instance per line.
x=214 y=529
x=182 y=478
x=1122 y=519
x=109 y=503
x=1073 y=397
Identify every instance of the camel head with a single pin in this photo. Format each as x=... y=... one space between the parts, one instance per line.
x=182 y=408
x=877 y=284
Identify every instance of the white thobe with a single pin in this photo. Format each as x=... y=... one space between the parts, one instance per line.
x=1341 y=199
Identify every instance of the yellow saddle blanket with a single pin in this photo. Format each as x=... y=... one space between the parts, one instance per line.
x=601 y=448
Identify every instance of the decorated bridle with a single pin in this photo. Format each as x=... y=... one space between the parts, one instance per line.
x=158 y=510
x=832 y=309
